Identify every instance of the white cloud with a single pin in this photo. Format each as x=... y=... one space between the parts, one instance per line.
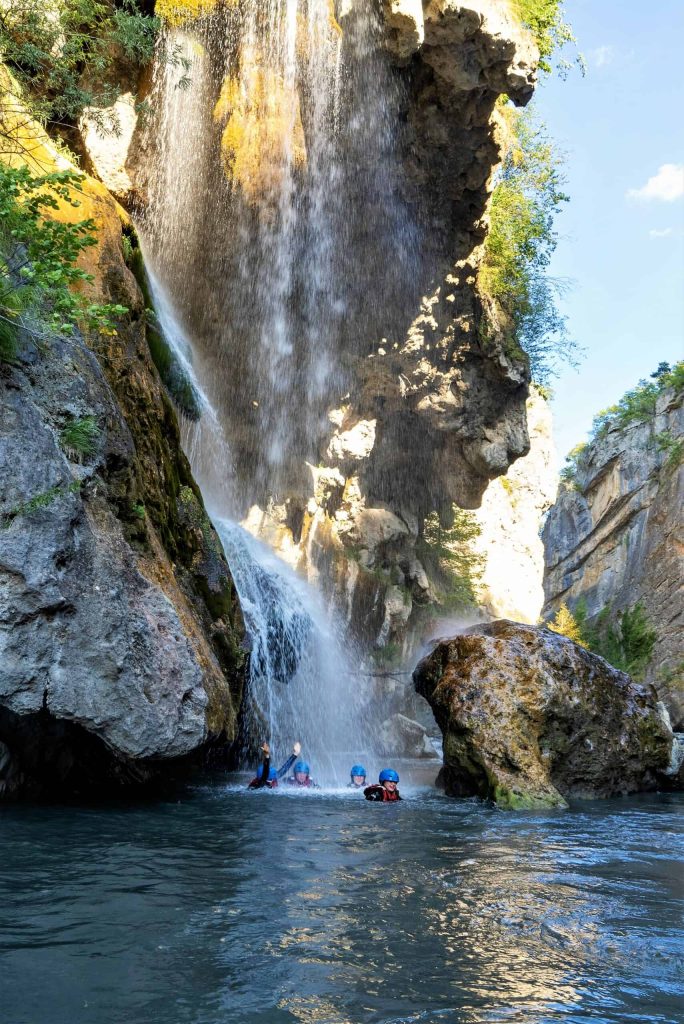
x=667 y=185
x=660 y=233
x=601 y=56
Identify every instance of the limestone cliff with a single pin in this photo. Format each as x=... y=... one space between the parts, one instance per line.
x=366 y=388
x=119 y=628
x=510 y=519
x=614 y=537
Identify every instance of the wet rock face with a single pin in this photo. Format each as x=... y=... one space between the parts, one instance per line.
x=615 y=538
x=119 y=626
x=436 y=402
x=531 y=720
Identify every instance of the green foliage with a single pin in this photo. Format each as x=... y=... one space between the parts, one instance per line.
x=39 y=501
x=79 y=438
x=568 y=473
x=545 y=20
x=626 y=640
x=450 y=559
x=566 y=624
x=67 y=54
x=521 y=240
x=672 y=446
x=38 y=260
x=639 y=404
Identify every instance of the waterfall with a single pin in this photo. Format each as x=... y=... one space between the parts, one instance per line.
x=302 y=682
x=276 y=242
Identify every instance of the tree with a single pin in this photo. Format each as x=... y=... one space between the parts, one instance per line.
x=66 y=55
x=566 y=624
x=527 y=196
x=38 y=257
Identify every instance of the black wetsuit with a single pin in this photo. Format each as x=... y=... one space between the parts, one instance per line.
x=262 y=780
x=379 y=794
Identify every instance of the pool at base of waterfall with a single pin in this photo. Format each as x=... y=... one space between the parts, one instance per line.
x=232 y=907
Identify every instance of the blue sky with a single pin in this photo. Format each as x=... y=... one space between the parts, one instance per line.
x=624 y=254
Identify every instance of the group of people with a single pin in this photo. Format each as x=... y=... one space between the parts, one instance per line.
x=386 y=788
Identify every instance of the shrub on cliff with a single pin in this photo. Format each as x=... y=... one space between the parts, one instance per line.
x=625 y=640
x=68 y=55
x=527 y=196
x=545 y=19
x=639 y=404
x=38 y=257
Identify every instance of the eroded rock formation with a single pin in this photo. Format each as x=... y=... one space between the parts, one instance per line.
x=614 y=538
x=119 y=628
x=531 y=720
x=391 y=392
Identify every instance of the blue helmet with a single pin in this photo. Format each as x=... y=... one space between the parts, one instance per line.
x=357 y=769
x=272 y=775
x=301 y=766
x=388 y=775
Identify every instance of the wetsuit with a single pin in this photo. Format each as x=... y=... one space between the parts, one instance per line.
x=379 y=794
x=309 y=784
x=262 y=780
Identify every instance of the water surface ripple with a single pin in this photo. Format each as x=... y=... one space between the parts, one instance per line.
x=274 y=908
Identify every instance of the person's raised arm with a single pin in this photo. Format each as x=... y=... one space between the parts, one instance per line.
x=265 y=765
x=284 y=769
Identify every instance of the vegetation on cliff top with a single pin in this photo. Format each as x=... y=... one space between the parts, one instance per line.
x=546 y=21
x=638 y=405
x=521 y=240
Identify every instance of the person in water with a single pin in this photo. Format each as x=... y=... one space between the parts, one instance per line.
x=358 y=777
x=386 y=787
x=267 y=778
x=302 y=777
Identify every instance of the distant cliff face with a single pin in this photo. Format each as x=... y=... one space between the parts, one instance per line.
x=510 y=519
x=615 y=539
x=119 y=627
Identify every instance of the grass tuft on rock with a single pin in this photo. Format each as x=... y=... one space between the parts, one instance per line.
x=79 y=438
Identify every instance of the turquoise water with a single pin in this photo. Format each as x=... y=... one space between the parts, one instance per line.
x=227 y=907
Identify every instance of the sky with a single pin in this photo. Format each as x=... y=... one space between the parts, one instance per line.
x=621 y=244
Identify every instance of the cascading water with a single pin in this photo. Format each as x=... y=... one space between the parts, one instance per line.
x=302 y=685
x=272 y=189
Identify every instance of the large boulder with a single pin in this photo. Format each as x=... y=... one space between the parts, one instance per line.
x=532 y=720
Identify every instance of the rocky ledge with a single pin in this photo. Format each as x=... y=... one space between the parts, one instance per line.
x=532 y=720
x=120 y=633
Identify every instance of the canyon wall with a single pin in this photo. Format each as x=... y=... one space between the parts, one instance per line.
x=614 y=538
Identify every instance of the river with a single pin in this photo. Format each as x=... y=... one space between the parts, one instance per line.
x=227 y=907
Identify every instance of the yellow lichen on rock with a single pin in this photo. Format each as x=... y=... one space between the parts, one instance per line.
x=178 y=12
x=263 y=137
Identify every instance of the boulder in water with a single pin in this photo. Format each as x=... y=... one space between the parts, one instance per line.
x=531 y=720
x=404 y=737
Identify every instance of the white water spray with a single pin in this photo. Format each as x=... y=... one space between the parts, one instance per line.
x=271 y=177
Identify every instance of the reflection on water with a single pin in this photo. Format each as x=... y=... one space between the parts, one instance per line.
x=262 y=908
